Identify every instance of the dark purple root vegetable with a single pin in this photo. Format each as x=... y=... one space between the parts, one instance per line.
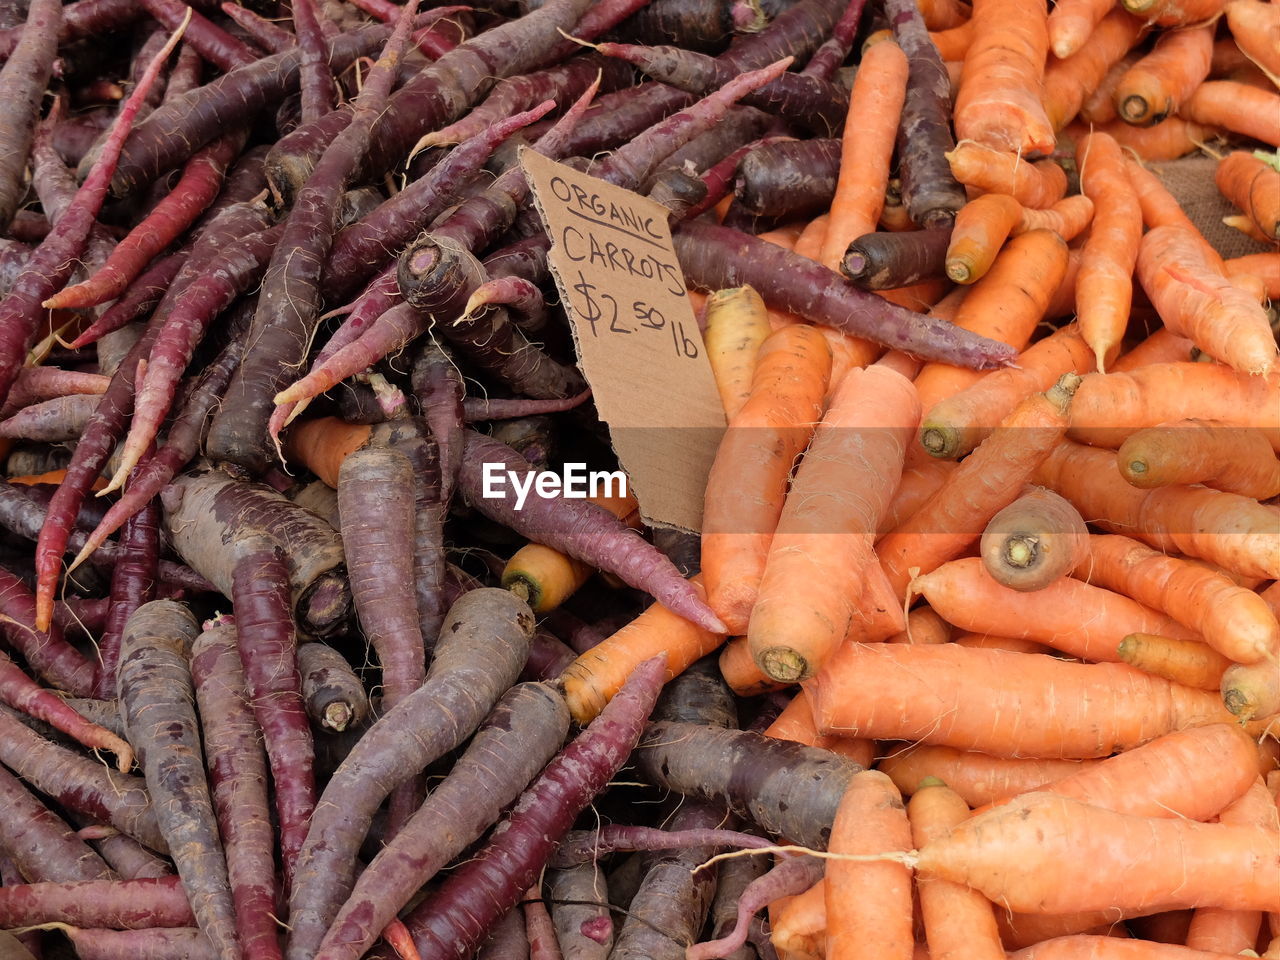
x=438 y=386
x=75 y=136
x=741 y=125
x=265 y=33
x=138 y=300
x=85 y=18
x=714 y=257
x=42 y=846
x=788 y=789
x=827 y=59
x=115 y=904
x=23 y=79
x=694 y=24
x=587 y=846
x=133 y=583
x=789 y=178
x=454 y=920
x=794 y=32
x=790 y=877
x=334 y=696
x=579 y=898
x=734 y=876
x=524 y=731
x=319 y=94
x=617 y=117
x=51 y=421
x=47 y=654
x=887 y=261
x=483 y=646
x=476 y=409
x=508 y=940
x=430 y=512
x=209 y=40
x=158 y=943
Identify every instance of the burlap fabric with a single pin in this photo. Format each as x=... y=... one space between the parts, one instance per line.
x=1190 y=180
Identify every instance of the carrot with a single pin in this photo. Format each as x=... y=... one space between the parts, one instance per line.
x=923 y=626
x=757 y=453
x=1174 y=13
x=980 y=230
x=1067 y=218
x=953 y=43
x=998 y=103
x=977 y=778
x=1194 y=299
x=787 y=882
x=1099 y=105
x=875 y=107
x=887 y=261
x=944 y=14
x=919 y=483
x=1158 y=84
x=1037 y=185
x=1033 y=542
x=321 y=445
x=1167 y=140
x=1000 y=702
x=798 y=924
x=1252 y=690
x=1232 y=620
x=869 y=904
x=1228 y=458
x=25 y=74
x=1104 y=285
x=1189 y=662
x=1256 y=30
x=740 y=671
x=813 y=581
x=1161 y=347
x=958 y=922
x=1071 y=23
x=1093 y=857
x=809 y=243
x=1068 y=81
x=795 y=722
x=599 y=673
x=1238 y=107
x=40 y=845
x=1232 y=531
x=1251 y=185
x=736 y=326
x=983 y=484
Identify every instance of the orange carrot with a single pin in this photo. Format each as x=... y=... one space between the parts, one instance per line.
x=321 y=445
x=944 y=14
x=998 y=103
x=958 y=922
x=1264 y=266
x=1067 y=218
x=919 y=483
x=981 y=228
x=1063 y=302
x=1099 y=106
x=798 y=927
x=748 y=480
x=923 y=626
x=1161 y=347
x=1174 y=13
x=1159 y=206
x=1197 y=301
x=953 y=43
x=1104 y=285
x=1231 y=619
x=1235 y=532
x=1038 y=185
x=1158 y=84
x=1005 y=305
x=809 y=243
x=966 y=596
x=591 y=681
x=813 y=578
x=1046 y=852
x=50 y=477
x=795 y=723
x=1001 y=703
x=871 y=127
x=1256 y=28
x=1108 y=408
x=1252 y=185
x=978 y=778
x=740 y=672
x=982 y=641
x=785 y=236
x=1068 y=81
x=956 y=424
x=1219 y=455
x=736 y=324
x=1169 y=140
x=1252 y=690
x=1036 y=540
x=1238 y=107
x=983 y=484
x=1189 y=662
x=1071 y=22
x=869 y=904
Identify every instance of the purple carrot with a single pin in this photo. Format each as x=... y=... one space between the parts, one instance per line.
x=127 y=857
x=289 y=306
x=885 y=261
x=23 y=946
x=35 y=384
x=14 y=255
x=44 y=848
x=483 y=646
x=795 y=32
x=137 y=301
x=238 y=777
x=617 y=117
x=528 y=308
x=115 y=904
x=585 y=846
x=157 y=702
x=579 y=899
x=789 y=178
x=28 y=226
x=78 y=782
x=502 y=408
x=453 y=920
x=525 y=259
x=158 y=943
x=792 y=876
x=693 y=24
x=543 y=943
x=548 y=657
x=51 y=421
x=438 y=386
x=333 y=694
x=85 y=18
x=209 y=40
x=51 y=262
x=578 y=528
x=47 y=654
x=133 y=583
x=267 y=640
x=829 y=57
x=319 y=94
x=184 y=76
x=23 y=79
x=397 y=220
x=269 y=35
x=105 y=713
x=739 y=127
x=733 y=876
x=929 y=191
x=74 y=136
x=80 y=613
x=524 y=731
x=715 y=257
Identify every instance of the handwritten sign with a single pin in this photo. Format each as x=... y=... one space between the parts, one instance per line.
x=638 y=342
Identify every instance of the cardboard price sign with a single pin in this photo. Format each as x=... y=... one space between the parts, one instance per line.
x=637 y=339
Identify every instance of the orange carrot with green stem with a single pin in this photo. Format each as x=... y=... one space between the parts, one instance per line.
x=1253 y=186
x=736 y=324
x=1036 y=540
x=1067 y=82
x=869 y=903
x=813 y=579
x=1228 y=458
x=747 y=484
x=998 y=103
x=1104 y=285
x=1189 y=662
x=871 y=128
x=981 y=228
